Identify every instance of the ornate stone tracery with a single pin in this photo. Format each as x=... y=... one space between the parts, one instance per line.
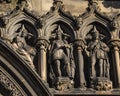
x=9 y=85
x=66 y=52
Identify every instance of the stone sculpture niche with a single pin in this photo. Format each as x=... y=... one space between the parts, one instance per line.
x=19 y=42
x=56 y=46
x=20 y=45
x=61 y=61
x=99 y=62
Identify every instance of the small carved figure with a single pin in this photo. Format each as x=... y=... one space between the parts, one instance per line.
x=116 y=24
x=58 y=53
x=62 y=57
x=98 y=53
x=20 y=45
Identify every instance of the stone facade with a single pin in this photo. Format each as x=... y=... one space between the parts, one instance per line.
x=59 y=47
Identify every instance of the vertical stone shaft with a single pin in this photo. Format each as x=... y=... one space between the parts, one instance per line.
x=81 y=67
x=116 y=63
x=42 y=66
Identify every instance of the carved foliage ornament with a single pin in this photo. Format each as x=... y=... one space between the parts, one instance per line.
x=9 y=85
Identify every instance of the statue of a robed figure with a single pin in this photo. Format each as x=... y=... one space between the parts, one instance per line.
x=99 y=66
x=20 y=45
x=62 y=60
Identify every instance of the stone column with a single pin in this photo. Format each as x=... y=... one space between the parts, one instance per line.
x=42 y=66
x=115 y=44
x=80 y=61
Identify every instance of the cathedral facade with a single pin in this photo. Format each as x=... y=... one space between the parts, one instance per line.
x=59 y=47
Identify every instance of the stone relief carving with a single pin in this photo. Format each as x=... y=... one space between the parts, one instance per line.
x=61 y=55
x=20 y=45
x=99 y=57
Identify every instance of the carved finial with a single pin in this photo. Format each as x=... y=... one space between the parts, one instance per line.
x=95 y=32
x=25 y=4
x=23 y=29
x=59 y=30
x=94 y=29
x=93 y=5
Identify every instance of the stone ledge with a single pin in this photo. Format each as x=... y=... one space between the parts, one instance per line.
x=89 y=91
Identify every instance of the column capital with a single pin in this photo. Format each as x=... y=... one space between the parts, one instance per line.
x=114 y=43
x=42 y=43
x=79 y=43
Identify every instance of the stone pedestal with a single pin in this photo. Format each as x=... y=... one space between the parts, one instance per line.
x=101 y=84
x=63 y=83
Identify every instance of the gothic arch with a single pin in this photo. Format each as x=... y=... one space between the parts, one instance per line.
x=20 y=75
x=14 y=23
x=99 y=23
x=64 y=22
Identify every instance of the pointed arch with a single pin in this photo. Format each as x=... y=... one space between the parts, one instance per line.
x=102 y=25
x=15 y=22
x=68 y=26
x=24 y=79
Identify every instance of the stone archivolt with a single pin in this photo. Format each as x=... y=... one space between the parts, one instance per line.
x=67 y=52
x=9 y=85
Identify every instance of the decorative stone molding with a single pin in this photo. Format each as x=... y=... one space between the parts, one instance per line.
x=9 y=85
x=114 y=43
x=80 y=44
x=76 y=38
x=42 y=44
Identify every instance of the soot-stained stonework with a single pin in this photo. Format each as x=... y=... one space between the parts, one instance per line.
x=56 y=53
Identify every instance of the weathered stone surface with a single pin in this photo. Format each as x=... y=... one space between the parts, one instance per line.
x=60 y=47
x=77 y=7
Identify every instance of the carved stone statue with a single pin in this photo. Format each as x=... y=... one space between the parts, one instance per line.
x=20 y=45
x=98 y=53
x=69 y=51
x=116 y=24
x=62 y=58
x=99 y=62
